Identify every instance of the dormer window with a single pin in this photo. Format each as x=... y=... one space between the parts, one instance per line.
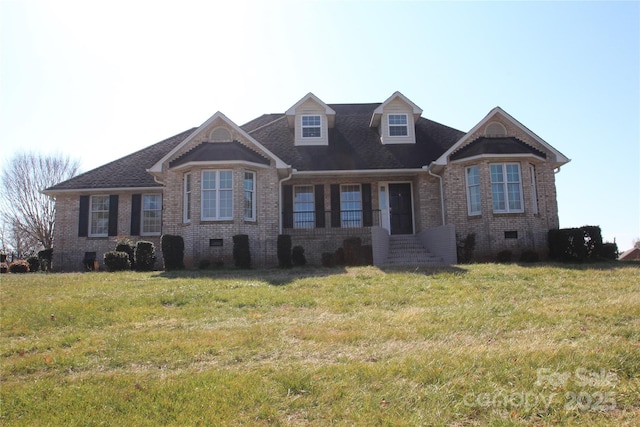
x=398 y=125
x=311 y=126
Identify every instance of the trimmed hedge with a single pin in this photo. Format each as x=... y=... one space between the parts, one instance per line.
x=34 y=263
x=20 y=266
x=284 y=251
x=45 y=256
x=172 y=252
x=117 y=261
x=145 y=256
x=582 y=244
x=241 y=252
x=297 y=256
x=126 y=245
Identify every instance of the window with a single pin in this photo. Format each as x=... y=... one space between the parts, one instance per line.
x=311 y=126
x=473 y=191
x=186 y=209
x=250 y=196
x=350 y=206
x=506 y=187
x=303 y=206
x=99 y=216
x=534 y=190
x=217 y=195
x=151 y=214
x=398 y=125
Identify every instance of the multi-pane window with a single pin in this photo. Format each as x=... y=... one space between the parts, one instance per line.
x=250 y=195
x=506 y=187
x=311 y=126
x=99 y=216
x=351 y=205
x=186 y=209
x=151 y=214
x=398 y=125
x=534 y=190
x=217 y=195
x=303 y=206
x=473 y=191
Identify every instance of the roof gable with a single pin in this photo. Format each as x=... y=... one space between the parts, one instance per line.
x=218 y=116
x=310 y=98
x=226 y=152
x=378 y=112
x=558 y=159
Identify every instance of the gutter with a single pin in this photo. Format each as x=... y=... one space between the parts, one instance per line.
x=428 y=169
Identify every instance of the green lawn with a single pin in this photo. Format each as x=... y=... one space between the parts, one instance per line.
x=461 y=346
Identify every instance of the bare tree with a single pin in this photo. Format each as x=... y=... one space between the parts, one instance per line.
x=29 y=214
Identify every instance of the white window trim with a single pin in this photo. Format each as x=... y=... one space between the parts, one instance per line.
x=217 y=190
x=142 y=210
x=361 y=219
x=187 y=195
x=466 y=174
x=306 y=224
x=253 y=196
x=91 y=212
x=534 y=189
x=505 y=185
x=406 y=125
x=303 y=126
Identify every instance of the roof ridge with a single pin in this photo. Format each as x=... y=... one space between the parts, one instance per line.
x=266 y=124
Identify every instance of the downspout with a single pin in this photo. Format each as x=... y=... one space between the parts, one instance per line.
x=428 y=169
x=287 y=178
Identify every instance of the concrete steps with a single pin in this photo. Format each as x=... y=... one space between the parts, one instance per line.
x=406 y=249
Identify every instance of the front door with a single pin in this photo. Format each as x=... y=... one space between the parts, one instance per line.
x=400 y=209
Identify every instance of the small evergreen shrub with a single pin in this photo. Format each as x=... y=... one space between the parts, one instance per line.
x=529 y=256
x=465 y=248
x=328 y=259
x=340 y=258
x=172 y=252
x=117 y=261
x=128 y=246
x=297 y=256
x=34 y=263
x=45 y=256
x=352 y=251
x=145 y=256
x=504 y=257
x=284 y=251
x=241 y=252
x=204 y=264
x=19 y=266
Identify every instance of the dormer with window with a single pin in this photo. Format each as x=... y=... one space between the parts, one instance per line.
x=311 y=119
x=395 y=120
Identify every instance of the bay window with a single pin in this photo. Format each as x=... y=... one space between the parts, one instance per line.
x=249 y=196
x=474 y=206
x=506 y=188
x=217 y=195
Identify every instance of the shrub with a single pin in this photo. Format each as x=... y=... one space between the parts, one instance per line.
x=609 y=251
x=117 y=261
x=504 y=256
x=352 y=251
x=204 y=264
x=145 y=256
x=328 y=259
x=575 y=244
x=529 y=256
x=45 y=256
x=128 y=246
x=172 y=252
x=297 y=256
x=34 y=263
x=340 y=258
x=465 y=248
x=284 y=251
x=241 y=252
x=19 y=266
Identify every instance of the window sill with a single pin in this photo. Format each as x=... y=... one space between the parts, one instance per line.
x=509 y=214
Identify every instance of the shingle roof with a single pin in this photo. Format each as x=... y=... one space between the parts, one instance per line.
x=353 y=145
x=127 y=172
x=506 y=145
x=219 y=151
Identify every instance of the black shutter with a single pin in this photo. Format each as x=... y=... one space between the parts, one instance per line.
x=335 y=205
x=319 y=194
x=287 y=201
x=136 y=208
x=113 y=215
x=367 y=214
x=83 y=217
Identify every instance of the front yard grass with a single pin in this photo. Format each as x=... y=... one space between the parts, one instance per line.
x=459 y=346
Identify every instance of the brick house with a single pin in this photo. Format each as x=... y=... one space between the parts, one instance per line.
x=409 y=187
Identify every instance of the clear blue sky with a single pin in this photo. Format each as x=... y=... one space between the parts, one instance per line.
x=99 y=80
